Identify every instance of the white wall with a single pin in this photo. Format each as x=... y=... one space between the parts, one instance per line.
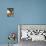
x=33 y=27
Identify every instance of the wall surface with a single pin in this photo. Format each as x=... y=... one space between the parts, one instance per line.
x=26 y=12
x=33 y=27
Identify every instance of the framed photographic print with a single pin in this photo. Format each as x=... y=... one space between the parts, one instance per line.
x=32 y=32
x=10 y=11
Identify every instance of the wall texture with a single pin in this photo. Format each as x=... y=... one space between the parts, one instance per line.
x=26 y=12
x=33 y=27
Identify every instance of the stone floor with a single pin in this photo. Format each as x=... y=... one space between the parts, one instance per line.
x=28 y=43
x=34 y=43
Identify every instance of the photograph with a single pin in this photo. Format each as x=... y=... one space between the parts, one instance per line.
x=10 y=11
x=31 y=33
